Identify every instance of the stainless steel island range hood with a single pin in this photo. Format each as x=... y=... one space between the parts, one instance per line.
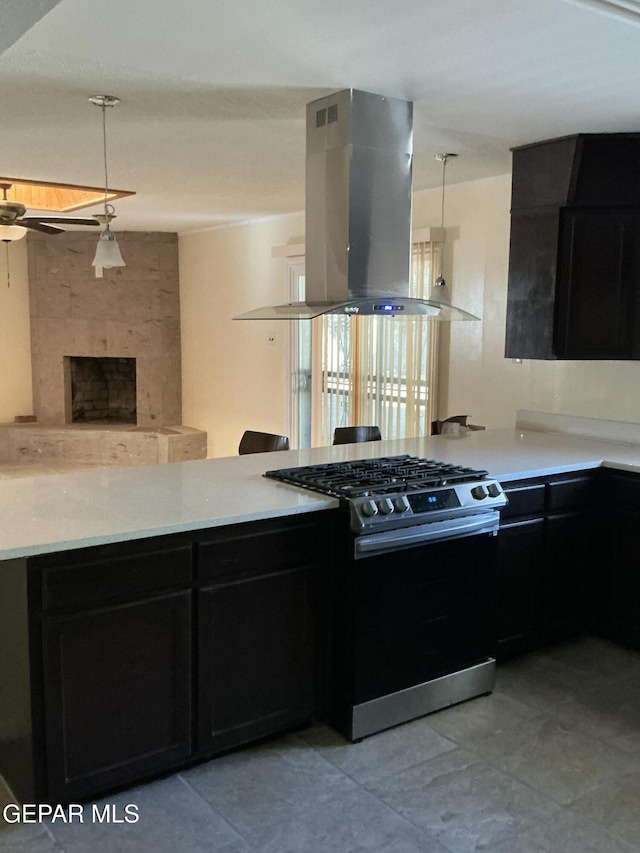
x=358 y=212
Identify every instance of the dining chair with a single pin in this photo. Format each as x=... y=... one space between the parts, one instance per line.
x=353 y=434
x=261 y=442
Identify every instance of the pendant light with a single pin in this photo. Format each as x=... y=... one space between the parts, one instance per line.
x=439 y=297
x=440 y=291
x=107 y=251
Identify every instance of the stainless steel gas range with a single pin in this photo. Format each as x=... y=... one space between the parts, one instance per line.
x=413 y=589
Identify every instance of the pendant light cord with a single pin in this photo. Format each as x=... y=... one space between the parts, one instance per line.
x=444 y=169
x=105 y=102
x=443 y=159
x=104 y=151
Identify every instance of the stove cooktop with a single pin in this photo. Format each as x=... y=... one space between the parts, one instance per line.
x=377 y=477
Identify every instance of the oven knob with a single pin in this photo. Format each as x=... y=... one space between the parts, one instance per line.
x=401 y=504
x=369 y=508
x=494 y=490
x=385 y=506
x=479 y=493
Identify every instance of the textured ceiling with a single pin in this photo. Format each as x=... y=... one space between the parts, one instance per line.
x=210 y=128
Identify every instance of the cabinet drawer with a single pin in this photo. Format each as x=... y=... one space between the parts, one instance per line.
x=620 y=490
x=72 y=585
x=524 y=499
x=256 y=548
x=574 y=492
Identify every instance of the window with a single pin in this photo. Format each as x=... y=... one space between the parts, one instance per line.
x=367 y=370
x=378 y=370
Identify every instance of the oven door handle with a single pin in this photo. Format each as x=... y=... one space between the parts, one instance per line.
x=433 y=531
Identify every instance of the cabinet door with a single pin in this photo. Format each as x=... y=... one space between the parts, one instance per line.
x=519 y=585
x=256 y=673
x=618 y=612
x=598 y=276
x=567 y=575
x=117 y=684
x=532 y=283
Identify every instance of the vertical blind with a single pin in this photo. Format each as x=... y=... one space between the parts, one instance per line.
x=379 y=370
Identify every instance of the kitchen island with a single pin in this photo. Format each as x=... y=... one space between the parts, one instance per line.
x=56 y=513
x=156 y=617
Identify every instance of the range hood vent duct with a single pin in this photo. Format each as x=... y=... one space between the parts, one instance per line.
x=358 y=212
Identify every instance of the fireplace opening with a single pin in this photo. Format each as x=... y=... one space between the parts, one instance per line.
x=101 y=390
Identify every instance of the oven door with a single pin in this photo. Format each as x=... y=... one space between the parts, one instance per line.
x=417 y=630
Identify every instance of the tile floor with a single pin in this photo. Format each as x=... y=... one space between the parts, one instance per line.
x=549 y=762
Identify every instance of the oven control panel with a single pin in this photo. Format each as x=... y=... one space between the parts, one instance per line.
x=372 y=512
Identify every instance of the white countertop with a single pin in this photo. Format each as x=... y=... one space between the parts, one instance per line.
x=58 y=512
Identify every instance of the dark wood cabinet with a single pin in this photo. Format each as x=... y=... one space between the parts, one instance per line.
x=113 y=645
x=574 y=261
x=618 y=581
x=256 y=672
x=519 y=586
x=597 y=305
x=136 y=658
x=258 y=609
x=117 y=694
x=567 y=576
x=531 y=296
x=545 y=562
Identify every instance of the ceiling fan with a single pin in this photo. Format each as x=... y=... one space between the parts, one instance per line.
x=12 y=213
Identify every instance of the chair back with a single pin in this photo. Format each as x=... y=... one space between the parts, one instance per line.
x=261 y=442
x=353 y=434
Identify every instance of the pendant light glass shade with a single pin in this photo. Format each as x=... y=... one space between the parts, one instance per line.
x=107 y=251
x=8 y=233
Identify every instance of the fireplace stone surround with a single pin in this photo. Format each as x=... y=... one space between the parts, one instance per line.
x=131 y=314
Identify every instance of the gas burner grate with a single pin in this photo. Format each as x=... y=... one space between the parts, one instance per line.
x=385 y=475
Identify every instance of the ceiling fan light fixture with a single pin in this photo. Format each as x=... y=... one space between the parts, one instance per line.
x=108 y=253
x=9 y=233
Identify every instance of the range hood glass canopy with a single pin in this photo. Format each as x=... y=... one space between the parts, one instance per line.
x=395 y=307
x=358 y=214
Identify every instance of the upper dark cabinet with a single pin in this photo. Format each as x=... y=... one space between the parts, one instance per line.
x=574 y=261
x=585 y=170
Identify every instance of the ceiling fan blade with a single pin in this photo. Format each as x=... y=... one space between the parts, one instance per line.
x=35 y=225
x=63 y=220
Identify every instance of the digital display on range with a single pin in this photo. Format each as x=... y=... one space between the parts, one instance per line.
x=445 y=499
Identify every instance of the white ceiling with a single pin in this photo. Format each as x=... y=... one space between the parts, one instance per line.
x=210 y=129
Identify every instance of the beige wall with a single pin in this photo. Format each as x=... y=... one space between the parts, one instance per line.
x=476 y=379
x=15 y=348
x=233 y=378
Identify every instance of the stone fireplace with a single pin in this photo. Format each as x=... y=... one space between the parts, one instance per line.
x=131 y=314
x=105 y=357
x=100 y=390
